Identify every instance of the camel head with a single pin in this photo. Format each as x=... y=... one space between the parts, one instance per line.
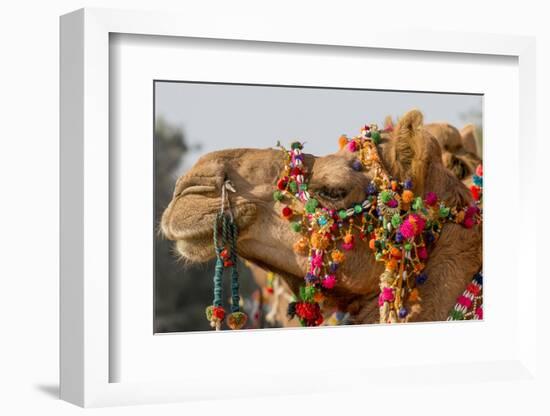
x=336 y=181
x=459 y=149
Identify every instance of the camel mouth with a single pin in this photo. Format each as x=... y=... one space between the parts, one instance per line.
x=190 y=225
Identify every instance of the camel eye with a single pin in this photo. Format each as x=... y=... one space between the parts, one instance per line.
x=332 y=194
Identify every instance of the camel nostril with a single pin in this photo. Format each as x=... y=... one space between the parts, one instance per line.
x=198 y=189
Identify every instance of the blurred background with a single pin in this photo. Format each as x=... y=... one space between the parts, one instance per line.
x=192 y=119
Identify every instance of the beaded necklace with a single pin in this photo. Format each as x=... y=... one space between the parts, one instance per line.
x=399 y=226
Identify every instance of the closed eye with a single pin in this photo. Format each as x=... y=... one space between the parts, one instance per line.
x=332 y=194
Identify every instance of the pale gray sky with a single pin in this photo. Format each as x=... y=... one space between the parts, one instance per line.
x=228 y=116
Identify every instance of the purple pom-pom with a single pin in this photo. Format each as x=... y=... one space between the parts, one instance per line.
x=357 y=165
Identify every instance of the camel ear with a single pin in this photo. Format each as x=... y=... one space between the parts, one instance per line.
x=468 y=134
x=413 y=150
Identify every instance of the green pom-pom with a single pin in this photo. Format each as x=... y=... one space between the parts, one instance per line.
x=385 y=196
x=370 y=228
x=303 y=187
x=296 y=145
x=417 y=204
x=378 y=256
x=293 y=187
x=408 y=246
x=307 y=293
x=396 y=221
x=358 y=208
x=311 y=205
x=277 y=195
x=296 y=227
x=375 y=137
x=342 y=214
x=444 y=212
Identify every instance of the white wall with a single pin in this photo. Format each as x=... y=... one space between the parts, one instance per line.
x=29 y=56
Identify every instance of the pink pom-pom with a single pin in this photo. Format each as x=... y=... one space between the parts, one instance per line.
x=386 y=295
x=471 y=211
x=347 y=246
x=464 y=301
x=392 y=203
x=422 y=253
x=468 y=222
x=413 y=225
x=431 y=199
x=352 y=146
x=479 y=312
x=329 y=281
x=317 y=261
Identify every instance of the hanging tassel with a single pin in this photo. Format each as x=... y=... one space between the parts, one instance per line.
x=215 y=313
x=237 y=319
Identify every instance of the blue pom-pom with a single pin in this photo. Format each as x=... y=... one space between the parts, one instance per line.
x=311 y=278
x=398 y=237
x=371 y=189
x=408 y=184
x=333 y=267
x=421 y=278
x=429 y=238
x=478 y=180
x=402 y=313
x=478 y=278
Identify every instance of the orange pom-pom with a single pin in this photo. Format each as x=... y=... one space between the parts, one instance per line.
x=319 y=241
x=318 y=297
x=414 y=296
x=407 y=196
x=337 y=256
x=301 y=246
x=371 y=243
x=391 y=265
x=348 y=238
x=342 y=141
x=395 y=252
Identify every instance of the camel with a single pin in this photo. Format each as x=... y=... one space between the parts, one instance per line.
x=459 y=154
x=459 y=149
x=265 y=239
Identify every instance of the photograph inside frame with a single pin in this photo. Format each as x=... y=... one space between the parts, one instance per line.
x=288 y=206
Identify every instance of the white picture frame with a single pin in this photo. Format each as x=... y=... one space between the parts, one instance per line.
x=86 y=356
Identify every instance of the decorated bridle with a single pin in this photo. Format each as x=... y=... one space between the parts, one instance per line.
x=400 y=228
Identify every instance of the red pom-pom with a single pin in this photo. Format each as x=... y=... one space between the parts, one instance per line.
x=295 y=171
x=287 y=212
x=282 y=183
x=218 y=312
x=475 y=192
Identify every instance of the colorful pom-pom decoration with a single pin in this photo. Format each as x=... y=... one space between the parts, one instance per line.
x=398 y=226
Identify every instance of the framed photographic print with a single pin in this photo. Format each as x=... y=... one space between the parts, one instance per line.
x=251 y=205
